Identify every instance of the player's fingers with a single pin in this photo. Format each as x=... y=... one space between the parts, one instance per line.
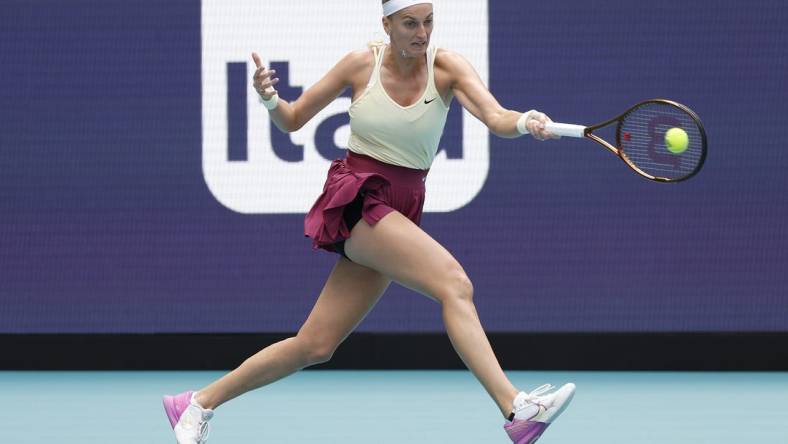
x=268 y=79
x=256 y=59
x=263 y=73
x=549 y=134
x=529 y=125
x=539 y=123
x=533 y=126
x=545 y=119
x=268 y=86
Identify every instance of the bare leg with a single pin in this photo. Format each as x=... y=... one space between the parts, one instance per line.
x=349 y=294
x=401 y=250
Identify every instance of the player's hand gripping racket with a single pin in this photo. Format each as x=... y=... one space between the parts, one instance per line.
x=660 y=139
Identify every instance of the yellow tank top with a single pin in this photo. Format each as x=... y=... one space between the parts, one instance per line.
x=389 y=132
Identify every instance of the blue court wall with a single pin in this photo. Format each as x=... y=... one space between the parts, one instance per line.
x=107 y=224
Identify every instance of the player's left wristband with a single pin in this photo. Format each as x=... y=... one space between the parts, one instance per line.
x=271 y=103
x=521 y=128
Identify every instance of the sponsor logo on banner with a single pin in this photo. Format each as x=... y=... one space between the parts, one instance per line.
x=252 y=167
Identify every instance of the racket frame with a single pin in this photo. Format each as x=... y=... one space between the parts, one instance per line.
x=622 y=154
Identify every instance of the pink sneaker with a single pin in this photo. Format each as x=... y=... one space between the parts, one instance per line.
x=535 y=411
x=187 y=418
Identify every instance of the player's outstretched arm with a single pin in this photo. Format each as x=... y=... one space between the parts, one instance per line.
x=474 y=96
x=291 y=116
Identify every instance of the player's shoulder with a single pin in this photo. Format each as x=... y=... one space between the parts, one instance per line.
x=358 y=59
x=452 y=61
x=450 y=66
x=354 y=67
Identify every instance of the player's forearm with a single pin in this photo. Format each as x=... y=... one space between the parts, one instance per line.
x=284 y=117
x=504 y=124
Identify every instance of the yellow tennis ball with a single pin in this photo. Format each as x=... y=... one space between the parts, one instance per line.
x=676 y=140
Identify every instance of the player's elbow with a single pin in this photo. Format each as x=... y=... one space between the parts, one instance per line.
x=295 y=126
x=290 y=128
x=296 y=121
x=284 y=127
x=289 y=125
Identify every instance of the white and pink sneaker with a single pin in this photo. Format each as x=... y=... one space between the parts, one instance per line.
x=535 y=411
x=187 y=418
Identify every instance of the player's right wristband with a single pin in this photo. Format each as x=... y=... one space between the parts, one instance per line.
x=521 y=128
x=271 y=103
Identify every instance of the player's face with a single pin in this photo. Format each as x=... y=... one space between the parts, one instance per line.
x=410 y=29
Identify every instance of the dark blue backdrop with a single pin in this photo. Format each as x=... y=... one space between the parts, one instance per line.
x=106 y=224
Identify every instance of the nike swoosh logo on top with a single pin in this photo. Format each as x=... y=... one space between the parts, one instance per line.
x=427 y=102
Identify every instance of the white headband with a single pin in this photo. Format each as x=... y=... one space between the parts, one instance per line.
x=392 y=6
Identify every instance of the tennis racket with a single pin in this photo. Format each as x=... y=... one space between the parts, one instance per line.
x=641 y=139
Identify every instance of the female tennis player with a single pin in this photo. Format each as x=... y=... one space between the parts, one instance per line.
x=369 y=214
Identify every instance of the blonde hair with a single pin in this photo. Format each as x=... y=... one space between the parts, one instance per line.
x=377 y=40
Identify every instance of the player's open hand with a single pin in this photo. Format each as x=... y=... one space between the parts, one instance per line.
x=535 y=123
x=263 y=79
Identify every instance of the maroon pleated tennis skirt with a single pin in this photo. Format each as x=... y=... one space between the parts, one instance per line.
x=383 y=187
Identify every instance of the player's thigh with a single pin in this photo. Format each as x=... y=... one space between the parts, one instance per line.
x=347 y=296
x=399 y=249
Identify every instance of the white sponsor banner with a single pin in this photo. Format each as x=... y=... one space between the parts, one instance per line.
x=312 y=36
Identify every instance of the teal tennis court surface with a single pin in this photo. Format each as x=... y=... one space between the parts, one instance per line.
x=394 y=407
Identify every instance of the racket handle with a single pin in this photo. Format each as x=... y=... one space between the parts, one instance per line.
x=566 y=129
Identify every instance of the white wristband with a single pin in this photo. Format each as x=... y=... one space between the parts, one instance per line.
x=521 y=128
x=271 y=103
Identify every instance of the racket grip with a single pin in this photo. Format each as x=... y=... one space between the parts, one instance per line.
x=565 y=129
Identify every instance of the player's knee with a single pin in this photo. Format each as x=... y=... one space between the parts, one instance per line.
x=317 y=350
x=321 y=355
x=456 y=287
